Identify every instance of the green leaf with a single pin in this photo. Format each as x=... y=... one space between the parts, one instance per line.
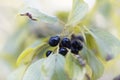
x=33 y=72
x=105 y=9
x=79 y=10
x=53 y=68
x=17 y=74
x=14 y=42
x=14 y=45
x=94 y=63
x=108 y=45
x=25 y=56
x=28 y=55
x=74 y=69
x=39 y=15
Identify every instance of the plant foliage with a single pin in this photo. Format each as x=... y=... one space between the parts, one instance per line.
x=99 y=45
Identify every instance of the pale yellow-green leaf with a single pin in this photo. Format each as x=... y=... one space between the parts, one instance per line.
x=39 y=15
x=17 y=74
x=33 y=72
x=105 y=9
x=14 y=43
x=115 y=17
x=27 y=55
x=94 y=63
x=53 y=68
x=79 y=10
x=74 y=69
x=108 y=44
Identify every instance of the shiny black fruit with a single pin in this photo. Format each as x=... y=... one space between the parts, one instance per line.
x=76 y=44
x=65 y=43
x=63 y=51
x=48 y=53
x=80 y=38
x=53 y=41
x=74 y=51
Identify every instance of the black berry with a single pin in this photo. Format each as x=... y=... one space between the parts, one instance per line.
x=77 y=37
x=53 y=41
x=76 y=44
x=63 y=51
x=65 y=43
x=74 y=51
x=80 y=38
x=48 y=53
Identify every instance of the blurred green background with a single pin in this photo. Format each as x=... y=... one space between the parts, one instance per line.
x=17 y=32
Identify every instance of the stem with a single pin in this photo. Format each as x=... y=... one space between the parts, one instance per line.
x=63 y=31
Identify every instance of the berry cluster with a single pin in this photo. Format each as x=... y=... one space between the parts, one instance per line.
x=75 y=44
